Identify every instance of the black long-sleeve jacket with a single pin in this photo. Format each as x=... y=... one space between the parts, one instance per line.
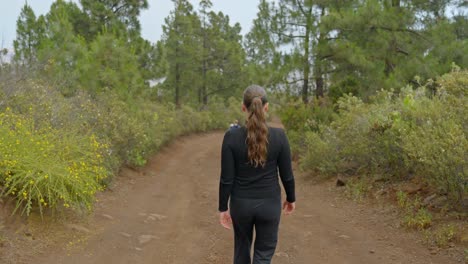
x=241 y=180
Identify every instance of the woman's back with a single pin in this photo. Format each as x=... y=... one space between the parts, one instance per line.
x=245 y=180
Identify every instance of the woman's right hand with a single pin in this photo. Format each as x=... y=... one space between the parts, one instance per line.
x=225 y=219
x=288 y=208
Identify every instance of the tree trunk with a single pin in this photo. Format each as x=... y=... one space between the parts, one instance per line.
x=204 y=91
x=306 y=71
x=396 y=3
x=177 y=80
x=319 y=85
x=392 y=48
x=205 y=52
x=318 y=67
x=305 y=85
x=177 y=85
x=388 y=66
x=204 y=95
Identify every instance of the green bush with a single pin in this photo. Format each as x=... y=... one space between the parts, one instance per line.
x=47 y=167
x=394 y=134
x=300 y=119
x=307 y=117
x=320 y=153
x=364 y=136
x=435 y=146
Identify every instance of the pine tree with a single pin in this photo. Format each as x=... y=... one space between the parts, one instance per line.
x=266 y=65
x=62 y=48
x=110 y=65
x=226 y=58
x=299 y=23
x=375 y=46
x=181 y=45
x=29 y=35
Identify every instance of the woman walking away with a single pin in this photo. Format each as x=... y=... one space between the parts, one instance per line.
x=251 y=158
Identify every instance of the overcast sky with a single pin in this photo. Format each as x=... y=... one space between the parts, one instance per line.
x=242 y=11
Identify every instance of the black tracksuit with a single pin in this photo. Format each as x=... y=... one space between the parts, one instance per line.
x=255 y=193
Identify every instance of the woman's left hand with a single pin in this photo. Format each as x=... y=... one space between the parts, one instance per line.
x=288 y=207
x=225 y=219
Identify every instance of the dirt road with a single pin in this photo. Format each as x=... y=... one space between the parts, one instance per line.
x=166 y=214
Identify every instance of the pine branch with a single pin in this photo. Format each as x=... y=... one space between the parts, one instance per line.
x=301 y=8
x=400 y=30
x=291 y=36
x=295 y=81
x=402 y=51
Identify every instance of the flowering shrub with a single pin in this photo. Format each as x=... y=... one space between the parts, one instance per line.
x=46 y=167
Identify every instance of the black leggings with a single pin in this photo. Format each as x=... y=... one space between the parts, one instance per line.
x=264 y=215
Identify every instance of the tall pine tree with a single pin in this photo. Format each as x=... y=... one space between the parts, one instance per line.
x=29 y=35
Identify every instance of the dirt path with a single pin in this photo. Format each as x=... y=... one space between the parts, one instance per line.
x=166 y=214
